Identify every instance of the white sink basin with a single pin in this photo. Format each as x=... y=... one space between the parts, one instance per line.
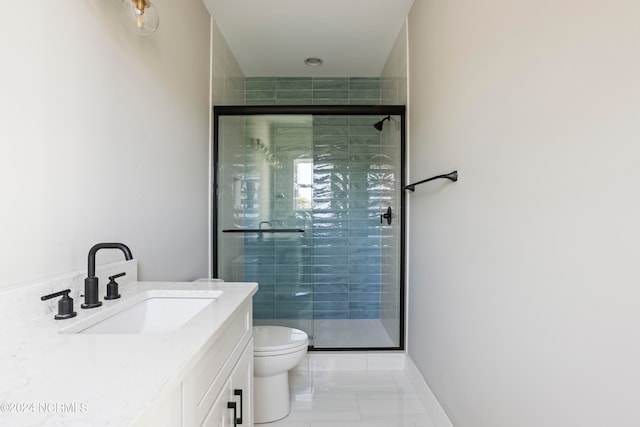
x=152 y=312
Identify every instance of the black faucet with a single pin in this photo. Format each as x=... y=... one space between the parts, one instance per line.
x=91 y=282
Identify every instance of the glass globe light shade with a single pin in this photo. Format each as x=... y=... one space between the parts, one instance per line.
x=140 y=16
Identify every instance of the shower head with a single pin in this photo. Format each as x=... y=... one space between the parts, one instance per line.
x=379 y=124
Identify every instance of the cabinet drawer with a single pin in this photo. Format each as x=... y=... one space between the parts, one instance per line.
x=202 y=385
x=241 y=380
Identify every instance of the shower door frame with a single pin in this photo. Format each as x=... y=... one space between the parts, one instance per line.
x=330 y=110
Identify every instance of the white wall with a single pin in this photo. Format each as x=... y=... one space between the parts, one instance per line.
x=524 y=274
x=104 y=136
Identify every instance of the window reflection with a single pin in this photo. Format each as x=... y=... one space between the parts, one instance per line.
x=303 y=184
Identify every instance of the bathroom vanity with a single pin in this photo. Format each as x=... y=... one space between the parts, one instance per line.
x=59 y=372
x=216 y=386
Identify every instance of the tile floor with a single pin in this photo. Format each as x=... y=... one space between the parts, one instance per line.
x=353 y=399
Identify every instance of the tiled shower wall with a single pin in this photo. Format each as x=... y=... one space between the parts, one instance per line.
x=333 y=270
x=346 y=217
x=312 y=91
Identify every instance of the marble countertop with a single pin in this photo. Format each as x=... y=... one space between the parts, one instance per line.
x=49 y=378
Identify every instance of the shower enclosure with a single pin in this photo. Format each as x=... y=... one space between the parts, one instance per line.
x=309 y=204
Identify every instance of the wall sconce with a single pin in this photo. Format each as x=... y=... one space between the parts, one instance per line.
x=140 y=16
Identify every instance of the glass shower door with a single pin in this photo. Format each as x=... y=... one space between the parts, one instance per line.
x=356 y=228
x=265 y=229
x=310 y=207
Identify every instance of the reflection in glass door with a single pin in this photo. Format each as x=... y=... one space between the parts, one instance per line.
x=310 y=206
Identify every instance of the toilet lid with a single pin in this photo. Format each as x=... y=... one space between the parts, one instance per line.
x=272 y=338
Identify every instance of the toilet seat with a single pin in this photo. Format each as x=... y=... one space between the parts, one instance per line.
x=276 y=340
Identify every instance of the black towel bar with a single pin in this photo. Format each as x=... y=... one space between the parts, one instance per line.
x=453 y=176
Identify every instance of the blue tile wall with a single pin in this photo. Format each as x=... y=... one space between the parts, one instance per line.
x=312 y=91
x=333 y=271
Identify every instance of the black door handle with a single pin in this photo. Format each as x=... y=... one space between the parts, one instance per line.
x=232 y=405
x=387 y=216
x=237 y=392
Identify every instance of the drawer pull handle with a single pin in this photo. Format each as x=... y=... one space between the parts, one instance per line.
x=232 y=405
x=237 y=392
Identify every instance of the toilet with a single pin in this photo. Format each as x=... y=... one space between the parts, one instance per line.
x=276 y=350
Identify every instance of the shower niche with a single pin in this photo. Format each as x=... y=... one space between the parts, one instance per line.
x=302 y=198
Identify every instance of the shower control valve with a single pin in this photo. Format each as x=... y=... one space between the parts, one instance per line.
x=387 y=216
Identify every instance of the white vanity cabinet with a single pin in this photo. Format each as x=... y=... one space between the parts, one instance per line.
x=222 y=378
x=234 y=406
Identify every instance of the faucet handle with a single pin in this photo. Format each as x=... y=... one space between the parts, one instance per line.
x=112 y=287
x=65 y=304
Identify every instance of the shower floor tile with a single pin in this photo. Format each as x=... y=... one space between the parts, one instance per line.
x=348 y=399
x=351 y=333
x=339 y=333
